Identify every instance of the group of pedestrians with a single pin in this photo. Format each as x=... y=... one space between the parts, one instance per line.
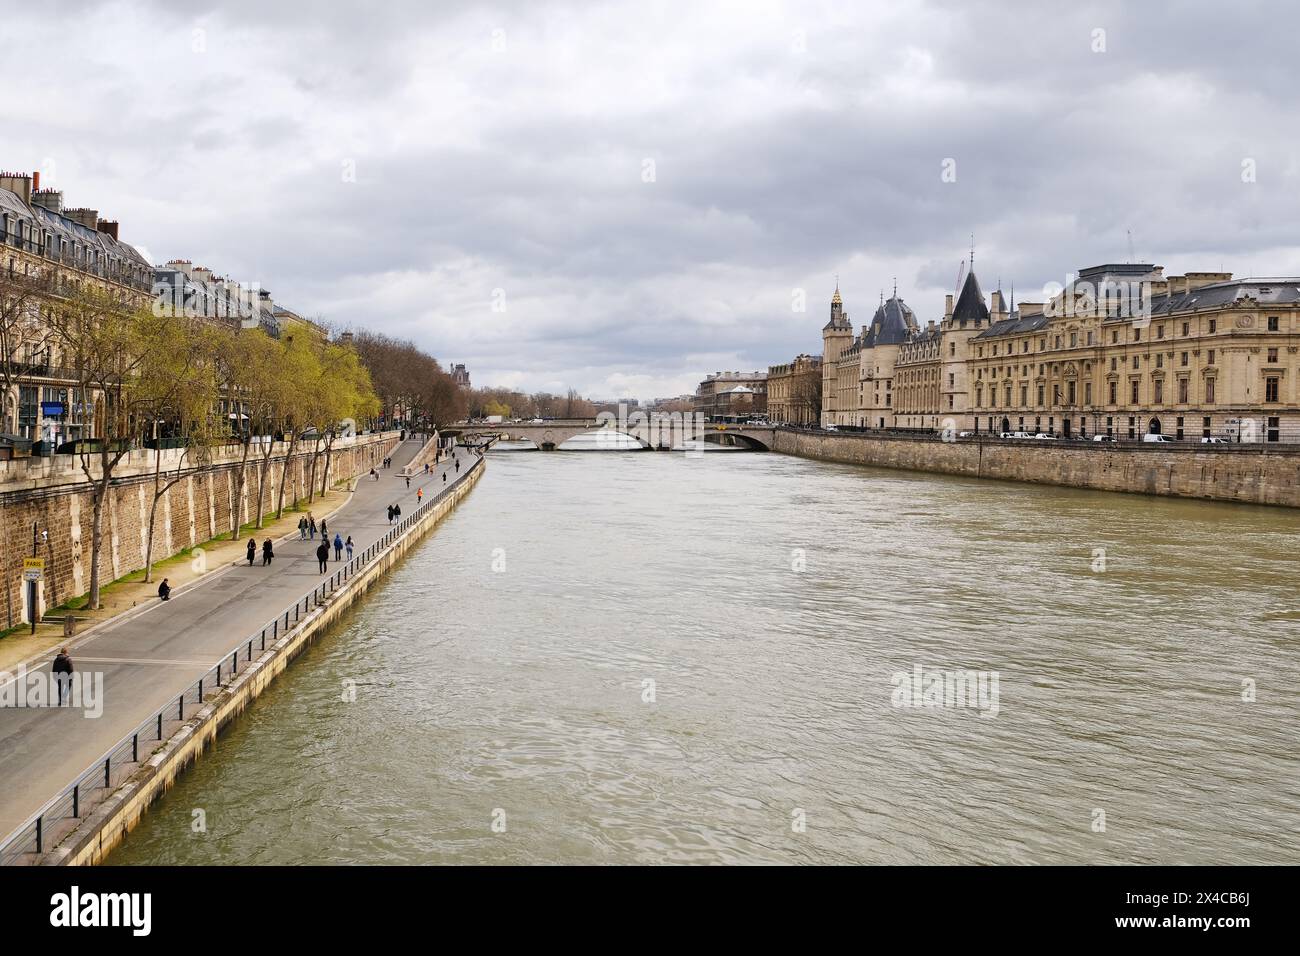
x=307 y=528
x=323 y=550
x=268 y=552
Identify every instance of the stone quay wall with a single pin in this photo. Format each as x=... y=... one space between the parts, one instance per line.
x=54 y=495
x=1255 y=474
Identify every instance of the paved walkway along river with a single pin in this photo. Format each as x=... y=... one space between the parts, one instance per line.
x=148 y=657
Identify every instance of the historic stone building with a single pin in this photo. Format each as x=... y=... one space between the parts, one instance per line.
x=794 y=391
x=47 y=249
x=892 y=327
x=1125 y=350
x=732 y=396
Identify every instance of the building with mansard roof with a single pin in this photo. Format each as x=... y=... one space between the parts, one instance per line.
x=49 y=249
x=1127 y=351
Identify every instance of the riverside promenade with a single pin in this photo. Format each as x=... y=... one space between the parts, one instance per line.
x=151 y=654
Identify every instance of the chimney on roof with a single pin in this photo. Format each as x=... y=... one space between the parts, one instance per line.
x=947 y=306
x=87 y=217
x=20 y=184
x=50 y=199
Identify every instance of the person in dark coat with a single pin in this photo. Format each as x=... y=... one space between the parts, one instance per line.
x=267 y=552
x=397 y=511
x=165 y=590
x=324 y=531
x=311 y=525
x=302 y=528
x=323 y=556
x=252 y=551
x=62 y=669
x=338 y=547
x=390 y=514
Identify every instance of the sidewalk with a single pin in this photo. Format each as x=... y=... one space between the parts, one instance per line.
x=120 y=598
x=148 y=656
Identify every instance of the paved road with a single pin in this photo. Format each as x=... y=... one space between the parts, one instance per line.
x=151 y=657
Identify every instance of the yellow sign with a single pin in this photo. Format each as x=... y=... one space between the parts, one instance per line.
x=33 y=569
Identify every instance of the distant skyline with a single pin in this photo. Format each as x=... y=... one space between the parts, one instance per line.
x=646 y=187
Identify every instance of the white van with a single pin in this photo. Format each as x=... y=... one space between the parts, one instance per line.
x=1156 y=438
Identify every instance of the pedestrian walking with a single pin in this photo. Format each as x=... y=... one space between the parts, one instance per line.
x=390 y=514
x=419 y=495
x=302 y=528
x=348 y=545
x=408 y=482
x=252 y=551
x=444 y=477
x=458 y=464
x=338 y=548
x=267 y=552
x=323 y=556
x=426 y=467
x=165 y=590
x=62 y=669
x=311 y=526
x=397 y=511
x=324 y=532
x=374 y=474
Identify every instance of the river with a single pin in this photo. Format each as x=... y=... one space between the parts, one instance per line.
x=637 y=657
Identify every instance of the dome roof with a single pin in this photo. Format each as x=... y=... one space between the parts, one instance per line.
x=893 y=323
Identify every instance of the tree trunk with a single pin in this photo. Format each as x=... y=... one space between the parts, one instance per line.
x=329 y=455
x=263 y=475
x=284 y=475
x=96 y=539
x=241 y=479
x=311 y=483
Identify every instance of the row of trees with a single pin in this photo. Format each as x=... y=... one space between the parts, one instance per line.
x=512 y=404
x=411 y=385
x=143 y=376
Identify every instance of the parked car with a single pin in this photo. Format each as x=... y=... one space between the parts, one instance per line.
x=966 y=434
x=1044 y=435
x=1021 y=435
x=1213 y=441
x=829 y=428
x=1103 y=437
x=1157 y=439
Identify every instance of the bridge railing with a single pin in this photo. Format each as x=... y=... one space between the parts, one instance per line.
x=54 y=820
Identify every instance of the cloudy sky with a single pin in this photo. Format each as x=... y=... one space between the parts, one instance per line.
x=623 y=197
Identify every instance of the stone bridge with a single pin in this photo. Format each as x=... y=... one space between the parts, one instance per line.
x=670 y=433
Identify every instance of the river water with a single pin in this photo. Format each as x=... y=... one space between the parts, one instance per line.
x=626 y=657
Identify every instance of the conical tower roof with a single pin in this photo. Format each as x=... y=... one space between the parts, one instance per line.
x=970 y=303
